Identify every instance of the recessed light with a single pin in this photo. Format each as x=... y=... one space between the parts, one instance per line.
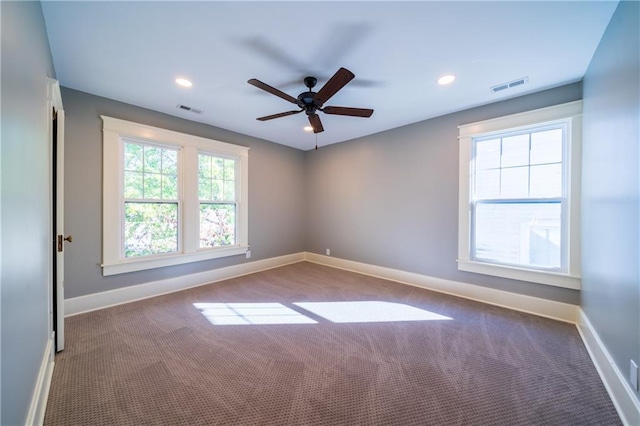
x=446 y=79
x=308 y=128
x=183 y=82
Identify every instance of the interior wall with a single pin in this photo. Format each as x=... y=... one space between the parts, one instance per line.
x=391 y=199
x=611 y=188
x=276 y=194
x=25 y=168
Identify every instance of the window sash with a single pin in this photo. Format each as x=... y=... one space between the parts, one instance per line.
x=125 y=245
x=474 y=249
x=213 y=246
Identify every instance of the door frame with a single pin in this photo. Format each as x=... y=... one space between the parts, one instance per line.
x=55 y=112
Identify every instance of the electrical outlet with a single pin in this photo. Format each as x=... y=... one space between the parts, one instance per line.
x=633 y=375
x=328 y=252
x=248 y=254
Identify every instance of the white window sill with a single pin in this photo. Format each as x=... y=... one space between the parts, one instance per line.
x=132 y=265
x=540 y=277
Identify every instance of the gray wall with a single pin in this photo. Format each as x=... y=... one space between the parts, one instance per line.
x=611 y=188
x=276 y=194
x=26 y=248
x=391 y=199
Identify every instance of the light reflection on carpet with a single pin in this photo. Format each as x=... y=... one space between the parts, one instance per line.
x=337 y=312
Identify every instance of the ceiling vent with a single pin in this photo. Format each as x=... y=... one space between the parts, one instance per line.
x=510 y=85
x=188 y=108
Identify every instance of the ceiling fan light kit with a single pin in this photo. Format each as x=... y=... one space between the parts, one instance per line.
x=310 y=102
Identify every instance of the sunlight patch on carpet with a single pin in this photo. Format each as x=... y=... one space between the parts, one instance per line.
x=251 y=313
x=369 y=311
x=336 y=312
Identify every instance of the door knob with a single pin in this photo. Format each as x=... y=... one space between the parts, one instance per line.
x=61 y=240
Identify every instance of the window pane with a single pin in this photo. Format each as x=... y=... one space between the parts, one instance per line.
x=152 y=162
x=514 y=183
x=488 y=184
x=217 y=225
x=133 y=157
x=152 y=182
x=519 y=234
x=169 y=162
x=220 y=174
x=515 y=151
x=204 y=189
x=229 y=169
x=150 y=172
x=150 y=228
x=133 y=185
x=204 y=166
x=229 y=192
x=488 y=154
x=216 y=189
x=546 y=147
x=169 y=187
x=546 y=181
x=217 y=168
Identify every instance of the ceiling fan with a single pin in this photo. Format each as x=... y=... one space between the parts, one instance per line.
x=310 y=102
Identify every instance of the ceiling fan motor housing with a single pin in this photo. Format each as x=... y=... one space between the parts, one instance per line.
x=307 y=101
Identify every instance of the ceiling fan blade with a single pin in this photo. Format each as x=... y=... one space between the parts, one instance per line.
x=353 y=112
x=282 y=114
x=335 y=83
x=316 y=123
x=272 y=90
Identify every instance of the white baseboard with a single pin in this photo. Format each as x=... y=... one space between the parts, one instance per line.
x=38 y=406
x=105 y=299
x=532 y=305
x=619 y=389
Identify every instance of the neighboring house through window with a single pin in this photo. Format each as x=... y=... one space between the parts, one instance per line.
x=519 y=196
x=170 y=198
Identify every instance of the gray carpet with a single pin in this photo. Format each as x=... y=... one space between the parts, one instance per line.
x=205 y=356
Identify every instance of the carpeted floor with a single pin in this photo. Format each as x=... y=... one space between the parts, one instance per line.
x=276 y=348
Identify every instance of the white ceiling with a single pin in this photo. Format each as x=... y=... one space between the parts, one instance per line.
x=132 y=52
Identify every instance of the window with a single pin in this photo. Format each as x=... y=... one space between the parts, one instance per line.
x=217 y=194
x=151 y=202
x=519 y=186
x=170 y=198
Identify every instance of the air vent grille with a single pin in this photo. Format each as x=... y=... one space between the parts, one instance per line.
x=189 y=109
x=510 y=84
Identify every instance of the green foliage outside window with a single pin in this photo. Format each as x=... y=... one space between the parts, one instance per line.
x=150 y=176
x=217 y=192
x=150 y=228
x=217 y=225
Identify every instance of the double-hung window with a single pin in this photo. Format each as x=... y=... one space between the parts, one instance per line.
x=170 y=198
x=218 y=202
x=151 y=201
x=519 y=187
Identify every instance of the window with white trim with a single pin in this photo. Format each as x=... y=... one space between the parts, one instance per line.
x=170 y=198
x=217 y=195
x=519 y=196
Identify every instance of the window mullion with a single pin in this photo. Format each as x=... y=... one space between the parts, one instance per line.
x=191 y=204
